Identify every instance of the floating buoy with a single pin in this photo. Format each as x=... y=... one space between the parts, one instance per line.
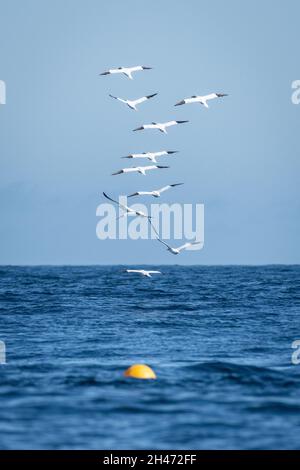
x=140 y=371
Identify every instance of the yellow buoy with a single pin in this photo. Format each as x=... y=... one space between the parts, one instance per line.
x=140 y=371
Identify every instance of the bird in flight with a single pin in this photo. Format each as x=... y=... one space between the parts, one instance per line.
x=132 y=104
x=201 y=99
x=156 y=192
x=143 y=272
x=176 y=251
x=127 y=210
x=161 y=126
x=139 y=169
x=151 y=155
x=127 y=71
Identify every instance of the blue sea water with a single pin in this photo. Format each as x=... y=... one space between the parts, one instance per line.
x=219 y=339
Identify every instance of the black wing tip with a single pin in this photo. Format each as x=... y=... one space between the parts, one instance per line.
x=151 y=96
x=179 y=103
x=138 y=129
x=181 y=122
x=172 y=151
x=105 y=195
x=104 y=73
x=220 y=95
x=162 y=166
x=176 y=184
x=146 y=68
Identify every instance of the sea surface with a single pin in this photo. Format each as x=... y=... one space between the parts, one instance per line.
x=218 y=338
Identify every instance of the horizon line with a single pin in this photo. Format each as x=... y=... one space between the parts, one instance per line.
x=144 y=264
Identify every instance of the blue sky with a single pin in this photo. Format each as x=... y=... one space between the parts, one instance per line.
x=61 y=136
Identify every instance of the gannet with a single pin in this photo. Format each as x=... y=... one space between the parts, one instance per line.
x=201 y=99
x=156 y=192
x=161 y=126
x=132 y=104
x=126 y=70
x=176 y=251
x=139 y=169
x=151 y=155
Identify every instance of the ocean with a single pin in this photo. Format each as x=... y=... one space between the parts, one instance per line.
x=219 y=339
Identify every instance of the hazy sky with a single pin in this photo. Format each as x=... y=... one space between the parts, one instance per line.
x=61 y=136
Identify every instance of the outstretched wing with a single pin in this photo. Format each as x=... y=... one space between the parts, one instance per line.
x=126 y=208
x=150 y=167
x=165 y=188
x=180 y=103
x=144 y=98
x=186 y=245
x=117 y=98
x=149 y=220
x=173 y=123
x=211 y=96
x=170 y=123
x=140 y=193
x=125 y=170
x=160 y=154
x=161 y=241
x=135 y=69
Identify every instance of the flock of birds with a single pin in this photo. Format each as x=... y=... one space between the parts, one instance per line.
x=152 y=157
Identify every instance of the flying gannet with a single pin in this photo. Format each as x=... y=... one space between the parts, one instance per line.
x=139 y=169
x=156 y=192
x=201 y=99
x=143 y=272
x=128 y=210
x=176 y=251
x=151 y=155
x=126 y=70
x=161 y=126
x=132 y=104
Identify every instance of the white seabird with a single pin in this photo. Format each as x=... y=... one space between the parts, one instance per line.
x=176 y=251
x=156 y=192
x=143 y=272
x=132 y=104
x=128 y=210
x=126 y=70
x=161 y=126
x=201 y=99
x=151 y=155
x=139 y=169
